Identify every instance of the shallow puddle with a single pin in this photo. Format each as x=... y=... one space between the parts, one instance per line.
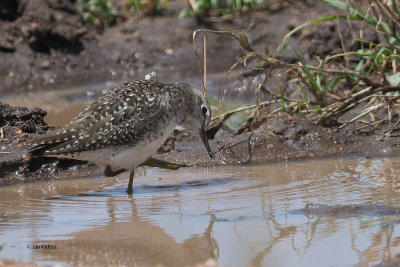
x=237 y=215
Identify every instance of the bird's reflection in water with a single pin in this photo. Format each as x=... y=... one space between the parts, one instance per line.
x=137 y=242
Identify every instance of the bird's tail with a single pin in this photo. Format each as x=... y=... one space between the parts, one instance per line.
x=44 y=145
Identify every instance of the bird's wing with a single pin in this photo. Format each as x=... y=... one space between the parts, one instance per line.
x=122 y=116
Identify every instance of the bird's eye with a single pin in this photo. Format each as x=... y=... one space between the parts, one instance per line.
x=204 y=109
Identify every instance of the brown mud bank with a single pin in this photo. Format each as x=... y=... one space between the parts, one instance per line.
x=280 y=138
x=46 y=45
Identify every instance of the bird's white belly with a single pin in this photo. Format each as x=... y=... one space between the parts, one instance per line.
x=125 y=156
x=130 y=157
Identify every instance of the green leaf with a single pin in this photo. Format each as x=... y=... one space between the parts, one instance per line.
x=394 y=41
x=394 y=79
x=298 y=28
x=359 y=14
x=282 y=100
x=316 y=107
x=307 y=72
x=335 y=81
x=98 y=12
x=187 y=13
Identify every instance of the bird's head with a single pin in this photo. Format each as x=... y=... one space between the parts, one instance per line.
x=198 y=117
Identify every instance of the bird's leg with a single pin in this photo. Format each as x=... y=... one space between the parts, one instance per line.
x=110 y=173
x=130 y=184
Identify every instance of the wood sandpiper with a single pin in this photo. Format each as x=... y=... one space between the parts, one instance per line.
x=127 y=125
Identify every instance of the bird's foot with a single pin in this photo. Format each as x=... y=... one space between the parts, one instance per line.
x=110 y=173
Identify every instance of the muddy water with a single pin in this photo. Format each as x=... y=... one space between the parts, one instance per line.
x=238 y=216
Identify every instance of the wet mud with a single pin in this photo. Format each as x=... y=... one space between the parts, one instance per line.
x=281 y=138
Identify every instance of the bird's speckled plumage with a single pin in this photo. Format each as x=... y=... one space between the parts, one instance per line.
x=128 y=124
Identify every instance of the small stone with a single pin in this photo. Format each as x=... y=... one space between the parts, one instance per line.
x=169 y=51
x=19 y=132
x=7 y=46
x=137 y=35
x=45 y=65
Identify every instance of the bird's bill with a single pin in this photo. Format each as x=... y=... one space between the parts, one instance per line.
x=205 y=141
